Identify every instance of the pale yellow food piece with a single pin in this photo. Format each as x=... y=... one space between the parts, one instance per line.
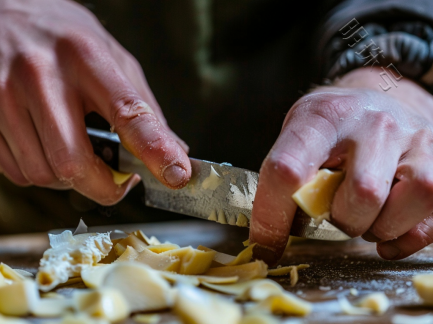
x=377 y=302
x=119 y=249
x=130 y=254
x=3 y=281
x=12 y=320
x=132 y=241
x=282 y=271
x=196 y=280
x=69 y=255
x=192 y=261
x=315 y=197
x=176 y=278
x=143 y=288
x=218 y=280
x=255 y=290
x=51 y=307
x=71 y=282
x=259 y=319
x=163 y=247
x=246 y=242
x=81 y=318
x=112 y=255
x=242 y=220
x=213 y=181
x=105 y=303
x=348 y=309
x=293 y=270
x=243 y=257
x=24 y=273
x=353 y=292
x=52 y=295
x=120 y=178
x=149 y=241
x=213 y=216
x=220 y=259
x=247 y=271
x=284 y=303
x=195 y=306
x=228 y=260
x=18 y=298
x=147 y=318
x=159 y=261
x=94 y=277
x=424 y=286
x=222 y=217
x=10 y=274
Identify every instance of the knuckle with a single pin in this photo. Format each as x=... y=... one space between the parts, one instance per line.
x=33 y=66
x=336 y=105
x=81 y=43
x=368 y=190
x=385 y=121
x=423 y=138
x=68 y=167
x=285 y=168
x=425 y=233
x=385 y=230
x=68 y=170
x=128 y=108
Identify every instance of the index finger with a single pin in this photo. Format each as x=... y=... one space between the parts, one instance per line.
x=302 y=147
x=130 y=115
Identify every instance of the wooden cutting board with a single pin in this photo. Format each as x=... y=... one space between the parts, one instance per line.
x=334 y=267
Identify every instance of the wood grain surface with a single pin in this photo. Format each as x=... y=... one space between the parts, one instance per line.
x=334 y=267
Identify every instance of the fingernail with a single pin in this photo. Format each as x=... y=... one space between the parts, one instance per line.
x=370 y=237
x=388 y=251
x=265 y=254
x=174 y=175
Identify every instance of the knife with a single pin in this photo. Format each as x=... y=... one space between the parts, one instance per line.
x=217 y=191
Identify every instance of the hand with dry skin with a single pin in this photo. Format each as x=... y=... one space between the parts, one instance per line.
x=57 y=63
x=384 y=143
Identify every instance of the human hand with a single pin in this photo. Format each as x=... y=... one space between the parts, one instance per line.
x=57 y=63
x=384 y=143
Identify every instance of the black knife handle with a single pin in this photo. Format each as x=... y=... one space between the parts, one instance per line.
x=106 y=146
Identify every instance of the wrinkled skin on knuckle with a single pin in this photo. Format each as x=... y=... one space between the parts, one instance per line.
x=284 y=168
x=69 y=167
x=78 y=44
x=368 y=191
x=128 y=109
x=367 y=195
x=424 y=231
x=333 y=104
x=273 y=235
x=383 y=122
x=29 y=68
x=385 y=230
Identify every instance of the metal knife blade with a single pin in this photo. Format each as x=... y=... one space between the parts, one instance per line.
x=216 y=191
